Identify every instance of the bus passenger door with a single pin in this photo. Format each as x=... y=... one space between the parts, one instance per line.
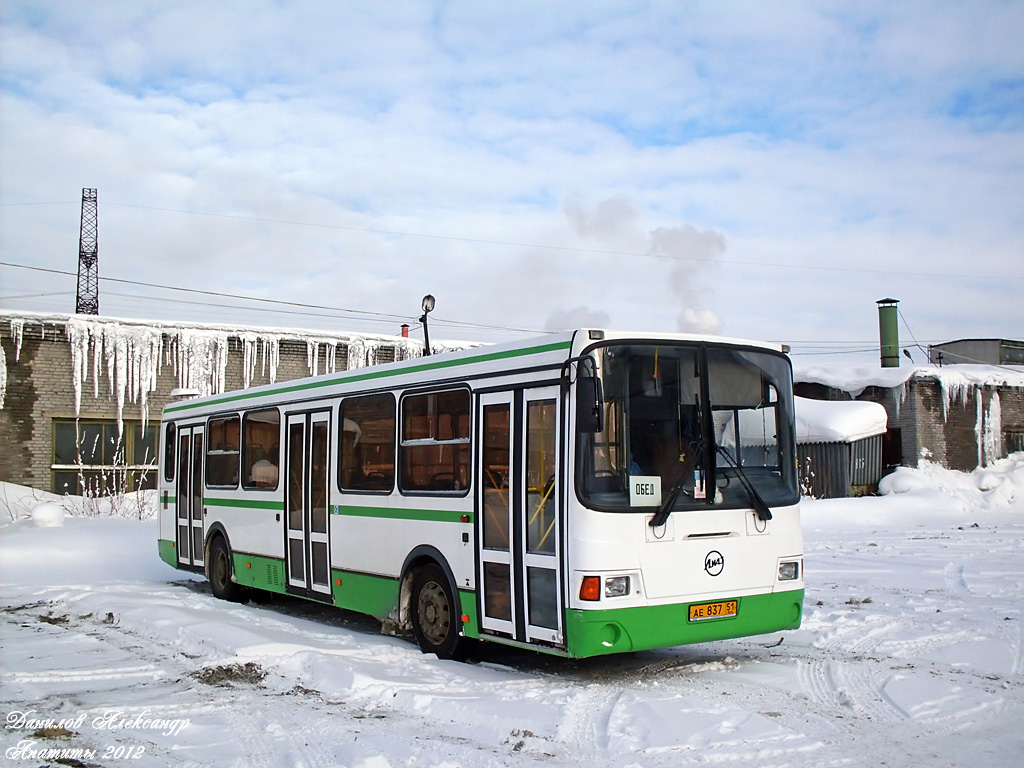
x=307 y=468
x=189 y=497
x=520 y=523
x=494 y=505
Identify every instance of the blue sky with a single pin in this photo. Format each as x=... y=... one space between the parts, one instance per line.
x=751 y=169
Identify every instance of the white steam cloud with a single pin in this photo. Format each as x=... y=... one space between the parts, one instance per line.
x=692 y=251
x=577 y=317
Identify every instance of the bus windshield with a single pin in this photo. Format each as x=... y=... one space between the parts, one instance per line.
x=691 y=426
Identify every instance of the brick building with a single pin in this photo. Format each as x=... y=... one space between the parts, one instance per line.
x=81 y=396
x=960 y=416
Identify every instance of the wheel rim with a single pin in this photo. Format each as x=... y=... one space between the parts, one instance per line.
x=434 y=613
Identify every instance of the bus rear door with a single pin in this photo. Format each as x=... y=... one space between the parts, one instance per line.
x=306 y=496
x=189 y=498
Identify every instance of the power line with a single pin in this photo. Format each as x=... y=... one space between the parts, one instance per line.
x=564 y=248
x=369 y=315
x=545 y=246
x=793 y=352
x=35 y=296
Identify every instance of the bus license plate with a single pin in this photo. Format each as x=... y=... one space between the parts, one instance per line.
x=721 y=610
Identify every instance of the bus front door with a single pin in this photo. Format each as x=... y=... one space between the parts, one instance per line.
x=189 y=498
x=519 y=508
x=307 y=547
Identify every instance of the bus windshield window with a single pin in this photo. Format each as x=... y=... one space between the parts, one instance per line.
x=670 y=410
x=751 y=399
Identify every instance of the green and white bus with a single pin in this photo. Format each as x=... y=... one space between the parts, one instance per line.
x=586 y=493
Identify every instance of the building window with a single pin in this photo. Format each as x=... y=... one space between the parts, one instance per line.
x=1014 y=441
x=90 y=458
x=368 y=443
x=435 y=442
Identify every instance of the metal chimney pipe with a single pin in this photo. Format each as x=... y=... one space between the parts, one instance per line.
x=889 y=332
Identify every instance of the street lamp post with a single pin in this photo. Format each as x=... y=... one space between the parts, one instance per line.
x=428 y=307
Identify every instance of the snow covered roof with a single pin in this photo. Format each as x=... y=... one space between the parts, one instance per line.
x=954 y=378
x=825 y=421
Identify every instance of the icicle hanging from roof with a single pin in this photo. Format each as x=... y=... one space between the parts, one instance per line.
x=271 y=351
x=78 y=336
x=979 y=427
x=330 y=354
x=3 y=376
x=992 y=436
x=249 y=353
x=200 y=358
x=954 y=389
x=132 y=354
x=356 y=353
x=17 y=334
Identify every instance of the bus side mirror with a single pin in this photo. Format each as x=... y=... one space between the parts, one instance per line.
x=589 y=405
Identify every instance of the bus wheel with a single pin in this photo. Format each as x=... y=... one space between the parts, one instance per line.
x=219 y=566
x=434 y=623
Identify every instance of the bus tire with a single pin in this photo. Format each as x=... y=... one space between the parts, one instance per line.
x=219 y=570
x=435 y=623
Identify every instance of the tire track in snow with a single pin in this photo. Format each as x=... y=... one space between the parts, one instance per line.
x=250 y=725
x=953 y=575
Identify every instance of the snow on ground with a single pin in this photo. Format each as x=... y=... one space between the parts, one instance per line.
x=909 y=655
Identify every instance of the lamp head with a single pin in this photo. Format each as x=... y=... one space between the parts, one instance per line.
x=428 y=304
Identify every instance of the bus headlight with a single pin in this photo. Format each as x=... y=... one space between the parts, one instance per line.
x=789 y=570
x=616 y=586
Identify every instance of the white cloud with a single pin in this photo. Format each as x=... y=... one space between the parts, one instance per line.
x=702 y=321
x=636 y=144
x=577 y=317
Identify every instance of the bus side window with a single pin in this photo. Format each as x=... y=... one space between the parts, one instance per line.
x=222 y=444
x=367 y=455
x=170 y=444
x=261 y=449
x=435 y=442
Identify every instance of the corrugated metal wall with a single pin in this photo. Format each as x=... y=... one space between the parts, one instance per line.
x=838 y=470
x=865 y=463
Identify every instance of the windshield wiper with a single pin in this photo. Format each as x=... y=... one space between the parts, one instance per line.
x=763 y=512
x=667 y=503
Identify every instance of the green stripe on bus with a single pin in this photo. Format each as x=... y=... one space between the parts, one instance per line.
x=370 y=375
x=593 y=633
x=243 y=503
x=392 y=513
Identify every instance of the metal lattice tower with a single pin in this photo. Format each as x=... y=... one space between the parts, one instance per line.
x=88 y=302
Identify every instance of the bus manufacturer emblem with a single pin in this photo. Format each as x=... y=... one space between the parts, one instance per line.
x=714 y=562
